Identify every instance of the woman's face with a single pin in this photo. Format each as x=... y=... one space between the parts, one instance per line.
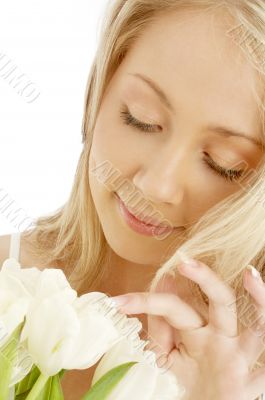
x=185 y=78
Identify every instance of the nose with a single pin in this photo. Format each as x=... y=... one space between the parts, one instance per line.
x=161 y=179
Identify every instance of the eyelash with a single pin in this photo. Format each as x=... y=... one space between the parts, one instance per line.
x=228 y=174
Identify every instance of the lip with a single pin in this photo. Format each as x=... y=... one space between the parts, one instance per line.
x=140 y=226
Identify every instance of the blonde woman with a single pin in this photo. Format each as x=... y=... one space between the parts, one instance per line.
x=173 y=134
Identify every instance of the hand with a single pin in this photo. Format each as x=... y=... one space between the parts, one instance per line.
x=208 y=356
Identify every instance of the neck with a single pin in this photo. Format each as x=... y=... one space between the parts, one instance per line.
x=123 y=276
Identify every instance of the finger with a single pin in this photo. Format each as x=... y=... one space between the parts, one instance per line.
x=163 y=337
x=220 y=295
x=252 y=339
x=175 y=311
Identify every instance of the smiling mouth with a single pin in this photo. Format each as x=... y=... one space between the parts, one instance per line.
x=153 y=224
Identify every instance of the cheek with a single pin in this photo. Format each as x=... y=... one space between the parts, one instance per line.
x=116 y=143
x=203 y=190
x=205 y=194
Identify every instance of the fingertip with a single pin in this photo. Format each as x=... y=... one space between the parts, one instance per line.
x=120 y=301
x=187 y=269
x=253 y=276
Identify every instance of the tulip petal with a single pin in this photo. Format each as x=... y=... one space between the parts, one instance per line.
x=101 y=326
x=97 y=334
x=51 y=348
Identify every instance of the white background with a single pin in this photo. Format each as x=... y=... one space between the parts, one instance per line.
x=52 y=43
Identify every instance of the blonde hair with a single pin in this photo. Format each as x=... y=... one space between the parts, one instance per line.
x=230 y=235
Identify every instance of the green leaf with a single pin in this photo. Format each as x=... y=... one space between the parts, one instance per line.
x=7 y=356
x=52 y=390
x=61 y=373
x=105 y=385
x=22 y=396
x=26 y=384
x=23 y=387
x=5 y=376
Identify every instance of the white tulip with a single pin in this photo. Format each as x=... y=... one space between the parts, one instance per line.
x=61 y=330
x=50 y=332
x=101 y=326
x=14 y=300
x=145 y=380
x=52 y=281
x=37 y=283
x=23 y=292
x=26 y=276
x=52 y=326
x=20 y=289
x=65 y=333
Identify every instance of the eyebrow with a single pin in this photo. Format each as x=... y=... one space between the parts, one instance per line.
x=220 y=130
x=156 y=89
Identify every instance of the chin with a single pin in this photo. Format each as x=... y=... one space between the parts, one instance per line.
x=125 y=242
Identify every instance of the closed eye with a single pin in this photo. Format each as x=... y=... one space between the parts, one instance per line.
x=129 y=119
x=228 y=174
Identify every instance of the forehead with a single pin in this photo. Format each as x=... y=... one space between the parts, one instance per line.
x=190 y=55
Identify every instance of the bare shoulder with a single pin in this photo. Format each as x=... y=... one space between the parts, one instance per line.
x=4 y=248
x=5 y=241
x=25 y=257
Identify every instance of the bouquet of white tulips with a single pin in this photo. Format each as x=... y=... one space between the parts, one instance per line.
x=46 y=329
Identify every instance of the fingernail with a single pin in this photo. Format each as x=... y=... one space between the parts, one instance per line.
x=119 y=301
x=255 y=273
x=187 y=260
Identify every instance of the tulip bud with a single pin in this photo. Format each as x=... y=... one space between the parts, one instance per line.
x=145 y=380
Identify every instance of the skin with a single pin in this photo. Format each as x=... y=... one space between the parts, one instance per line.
x=167 y=168
x=211 y=359
x=208 y=81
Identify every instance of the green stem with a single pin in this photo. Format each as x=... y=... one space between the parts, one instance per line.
x=61 y=373
x=37 y=387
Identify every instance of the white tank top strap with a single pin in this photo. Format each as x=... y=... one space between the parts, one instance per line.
x=14 y=249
